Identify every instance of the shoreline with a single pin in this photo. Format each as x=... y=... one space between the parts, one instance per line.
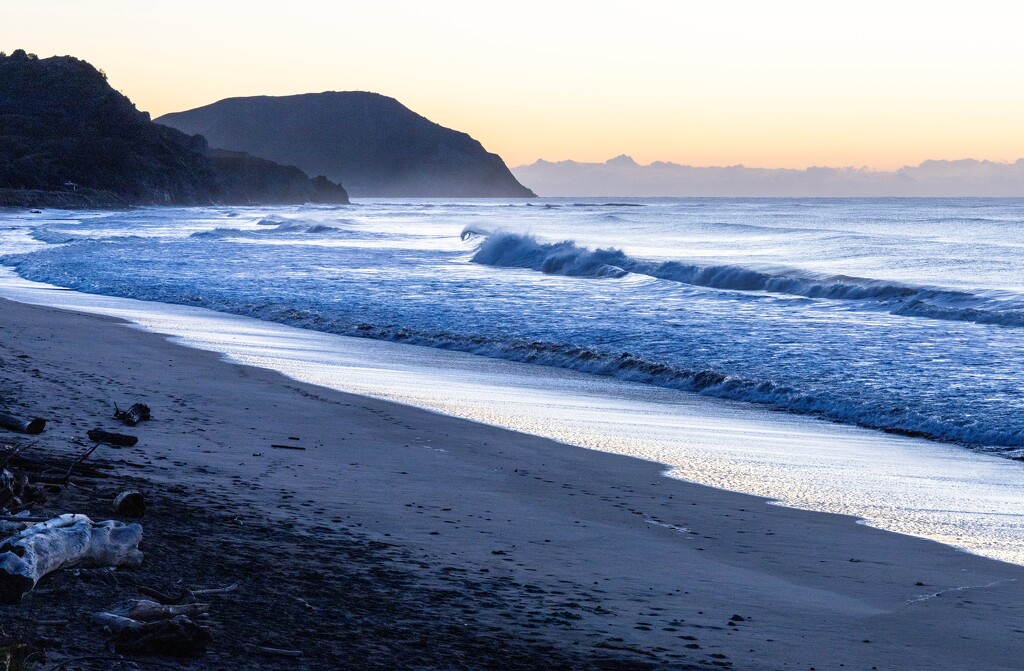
x=910 y=486
x=637 y=561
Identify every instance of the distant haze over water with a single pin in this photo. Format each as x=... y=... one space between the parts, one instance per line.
x=622 y=176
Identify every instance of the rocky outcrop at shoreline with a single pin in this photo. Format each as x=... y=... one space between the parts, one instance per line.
x=81 y=199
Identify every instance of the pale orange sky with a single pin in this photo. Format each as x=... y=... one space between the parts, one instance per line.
x=781 y=84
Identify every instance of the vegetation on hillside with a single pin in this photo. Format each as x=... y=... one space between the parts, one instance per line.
x=63 y=127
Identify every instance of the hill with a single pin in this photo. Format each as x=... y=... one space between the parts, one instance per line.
x=64 y=129
x=242 y=178
x=373 y=144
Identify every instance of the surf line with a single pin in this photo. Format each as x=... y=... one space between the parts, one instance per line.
x=959 y=589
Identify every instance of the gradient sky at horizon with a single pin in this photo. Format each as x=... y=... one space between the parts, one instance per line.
x=782 y=84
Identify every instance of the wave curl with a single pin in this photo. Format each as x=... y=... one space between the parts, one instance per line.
x=514 y=250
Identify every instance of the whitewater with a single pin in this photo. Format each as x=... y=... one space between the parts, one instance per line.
x=851 y=356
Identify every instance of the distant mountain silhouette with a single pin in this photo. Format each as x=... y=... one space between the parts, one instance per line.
x=68 y=139
x=371 y=143
x=622 y=176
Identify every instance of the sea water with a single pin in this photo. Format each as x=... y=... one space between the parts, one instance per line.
x=904 y=316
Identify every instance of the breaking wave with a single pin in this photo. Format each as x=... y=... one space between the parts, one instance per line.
x=514 y=250
x=874 y=413
x=56 y=235
x=274 y=226
x=902 y=420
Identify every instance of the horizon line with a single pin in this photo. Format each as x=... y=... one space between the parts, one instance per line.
x=625 y=160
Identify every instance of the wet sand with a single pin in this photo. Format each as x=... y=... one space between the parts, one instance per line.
x=583 y=558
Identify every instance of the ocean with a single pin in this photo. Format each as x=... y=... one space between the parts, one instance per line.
x=886 y=332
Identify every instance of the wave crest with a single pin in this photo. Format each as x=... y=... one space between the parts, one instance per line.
x=279 y=227
x=514 y=250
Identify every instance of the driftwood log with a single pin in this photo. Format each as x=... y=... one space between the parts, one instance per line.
x=139 y=412
x=116 y=439
x=130 y=504
x=64 y=541
x=142 y=610
x=32 y=426
x=151 y=611
x=163 y=634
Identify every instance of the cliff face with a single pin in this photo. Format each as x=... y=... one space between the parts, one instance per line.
x=371 y=143
x=61 y=122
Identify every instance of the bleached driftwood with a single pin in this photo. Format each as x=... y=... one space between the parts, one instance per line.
x=215 y=590
x=62 y=542
x=140 y=610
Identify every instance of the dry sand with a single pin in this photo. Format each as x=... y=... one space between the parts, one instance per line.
x=399 y=538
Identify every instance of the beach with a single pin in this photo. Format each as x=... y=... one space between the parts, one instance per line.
x=544 y=554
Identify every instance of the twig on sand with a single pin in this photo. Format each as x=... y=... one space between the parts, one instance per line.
x=17 y=448
x=279 y=652
x=216 y=590
x=15 y=518
x=162 y=598
x=85 y=455
x=111 y=658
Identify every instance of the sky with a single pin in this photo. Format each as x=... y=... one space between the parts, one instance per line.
x=765 y=84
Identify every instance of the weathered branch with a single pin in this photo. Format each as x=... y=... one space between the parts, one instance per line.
x=116 y=439
x=165 y=599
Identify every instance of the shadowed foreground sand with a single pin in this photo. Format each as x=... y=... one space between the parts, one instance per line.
x=510 y=549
